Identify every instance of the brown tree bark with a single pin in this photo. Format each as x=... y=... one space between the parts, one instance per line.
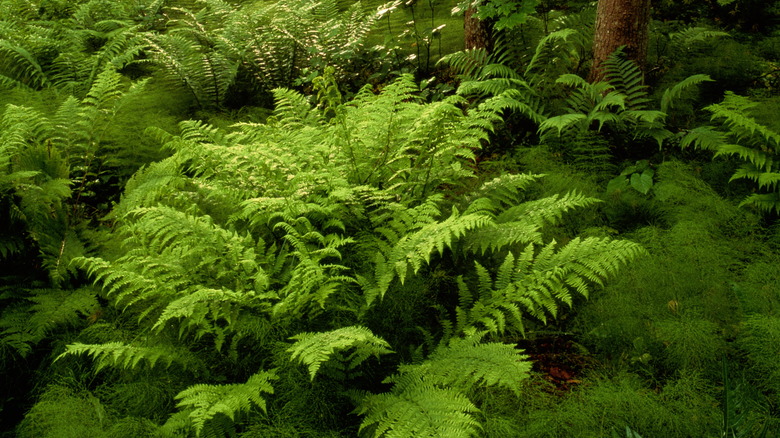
x=476 y=33
x=620 y=23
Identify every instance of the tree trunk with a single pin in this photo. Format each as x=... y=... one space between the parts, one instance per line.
x=476 y=33
x=620 y=23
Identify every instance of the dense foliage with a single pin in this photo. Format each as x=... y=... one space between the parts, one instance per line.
x=323 y=218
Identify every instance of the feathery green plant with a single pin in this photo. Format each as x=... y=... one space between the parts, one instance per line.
x=202 y=403
x=431 y=398
x=753 y=143
x=51 y=166
x=298 y=228
x=314 y=349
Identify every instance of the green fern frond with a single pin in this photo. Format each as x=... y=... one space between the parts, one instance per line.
x=206 y=311
x=416 y=248
x=293 y=109
x=732 y=112
x=19 y=67
x=315 y=349
x=107 y=87
x=671 y=95
x=756 y=157
x=466 y=363
x=521 y=224
x=120 y=355
x=466 y=63
x=704 y=137
x=23 y=326
x=537 y=280
x=766 y=202
x=691 y=39
x=421 y=411
x=505 y=190
x=562 y=123
x=547 y=50
x=517 y=100
x=203 y=403
x=625 y=77
x=428 y=399
x=149 y=185
x=756 y=145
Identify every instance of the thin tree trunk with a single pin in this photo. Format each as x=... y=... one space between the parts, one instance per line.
x=476 y=33
x=620 y=23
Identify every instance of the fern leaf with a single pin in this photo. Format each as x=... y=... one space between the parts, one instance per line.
x=704 y=137
x=671 y=95
x=421 y=411
x=117 y=354
x=205 y=402
x=466 y=363
x=22 y=69
x=756 y=157
x=626 y=78
x=547 y=50
x=315 y=349
x=562 y=123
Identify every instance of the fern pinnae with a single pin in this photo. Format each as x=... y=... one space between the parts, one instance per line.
x=671 y=95
x=546 y=50
x=204 y=402
x=316 y=349
x=120 y=355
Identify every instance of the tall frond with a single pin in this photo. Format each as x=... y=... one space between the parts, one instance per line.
x=316 y=349
x=119 y=355
x=203 y=403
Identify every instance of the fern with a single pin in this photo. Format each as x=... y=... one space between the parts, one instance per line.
x=316 y=349
x=297 y=229
x=626 y=78
x=688 y=41
x=755 y=144
x=674 y=93
x=547 y=51
x=20 y=68
x=462 y=363
x=429 y=399
x=521 y=223
x=41 y=312
x=419 y=411
x=204 y=403
x=620 y=103
x=119 y=355
x=535 y=282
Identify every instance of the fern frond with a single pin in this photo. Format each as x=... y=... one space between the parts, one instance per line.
x=421 y=411
x=107 y=87
x=704 y=137
x=690 y=39
x=20 y=68
x=671 y=95
x=505 y=190
x=315 y=349
x=293 y=109
x=767 y=202
x=732 y=112
x=536 y=281
x=415 y=248
x=626 y=78
x=466 y=63
x=120 y=355
x=562 y=123
x=466 y=363
x=428 y=399
x=756 y=157
x=205 y=402
x=548 y=49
